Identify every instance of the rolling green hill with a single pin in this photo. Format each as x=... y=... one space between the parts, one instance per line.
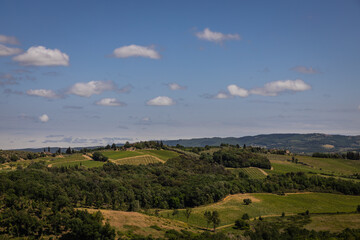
x=297 y=143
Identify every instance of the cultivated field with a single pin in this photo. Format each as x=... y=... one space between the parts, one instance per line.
x=141 y=224
x=326 y=165
x=264 y=204
x=252 y=172
x=144 y=159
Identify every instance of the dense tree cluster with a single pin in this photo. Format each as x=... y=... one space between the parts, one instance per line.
x=239 y=158
x=349 y=155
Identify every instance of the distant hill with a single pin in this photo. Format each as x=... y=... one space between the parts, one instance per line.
x=297 y=143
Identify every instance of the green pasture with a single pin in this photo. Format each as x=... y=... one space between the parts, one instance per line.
x=264 y=204
x=253 y=173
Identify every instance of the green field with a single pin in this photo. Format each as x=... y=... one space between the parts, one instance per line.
x=115 y=155
x=326 y=165
x=145 y=159
x=285 y=167
x=334 y=223
x=86 y=163
x=253 y=173
x=162 y=154
x=264 y=204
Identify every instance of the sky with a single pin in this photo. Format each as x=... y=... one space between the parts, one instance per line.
x=85 y=73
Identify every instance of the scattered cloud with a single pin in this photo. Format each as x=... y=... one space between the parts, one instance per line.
x=24 y=116
x=161 y=101
x=276 y=87
x=113 y=102
x=43 y=93
x=305 y=70
x=22 y=71
x=216 y=37
x=269 y=89
x=87 y=89
x=8 y=51
x=175 y=86
x=44 y=118
x=136 y=51
x=54 y=136
x=42 y=56
x=10 y=91
x=145 y=121
x=123 y=127
x=359 y=107
x=72 y=107
x=125 y=89
x=100 y=141
x=221 y=95
x=237 y=91
x=7 y=79
x=9 y=40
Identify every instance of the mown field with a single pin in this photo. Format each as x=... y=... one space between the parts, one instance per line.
x=253 y=173
x=162 y=154
x=320 y=165
x=144 y=159
x=264 y=204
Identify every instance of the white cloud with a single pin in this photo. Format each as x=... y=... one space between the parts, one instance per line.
x=175 y=86
x=113 y=102
x=305 y=70
x=87 y=89
x=237 y=91
x=276 y=87
x=44 y=118
x=9 y=40
x=7 y=79
x=136 y=51
x=160 y=101
x=217 y=37
x=42 y=93
x=41 y=56
x=7 y=51
x=221 y=95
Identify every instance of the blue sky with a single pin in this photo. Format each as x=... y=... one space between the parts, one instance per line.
x=81 y=73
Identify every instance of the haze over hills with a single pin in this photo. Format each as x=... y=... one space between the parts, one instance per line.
x=297 y=143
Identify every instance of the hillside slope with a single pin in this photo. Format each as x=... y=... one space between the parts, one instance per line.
x=298 y=143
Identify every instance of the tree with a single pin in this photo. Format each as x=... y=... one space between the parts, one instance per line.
x=97 y=156
x=68 y=151
x=241 y=224
x=207 y=215
x=215 y=219
x=58 y=151
x=358 y=209
x=247 y=201
x=127 y=145
x=48 y=149
x=107 y=146
x=113 y=146
x=175 y=212
x=187 y=214
x=245 y=216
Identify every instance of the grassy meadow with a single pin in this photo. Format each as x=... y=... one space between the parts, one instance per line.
x=264 y=204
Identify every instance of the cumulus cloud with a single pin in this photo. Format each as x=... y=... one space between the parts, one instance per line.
x=175 y=86
x=44 y=118
x=221 y=95
x=161 y=101
x=42 y=56
x=42 y=93
x=269 y=89
x=276 y=87
x=8 y=51
x=87 y=89
x=136 y=51
x=9 y=40
x=237 y=91
x=216 y=37
x=305 y=70
x=113 y=102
